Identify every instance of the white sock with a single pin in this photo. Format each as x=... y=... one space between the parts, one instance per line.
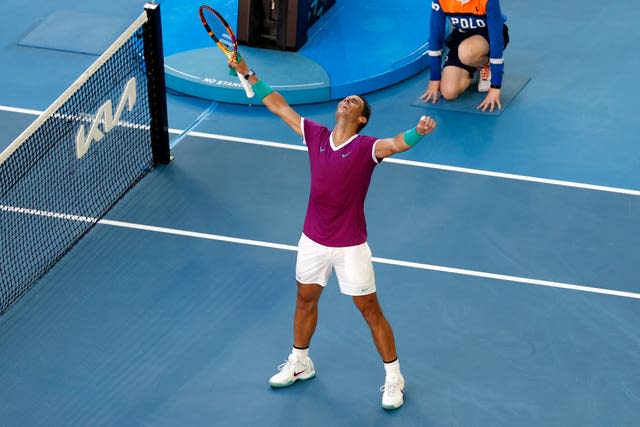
x=301 y=354
x=392 y=368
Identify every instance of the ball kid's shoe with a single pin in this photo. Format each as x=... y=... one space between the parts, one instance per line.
x=484 y=83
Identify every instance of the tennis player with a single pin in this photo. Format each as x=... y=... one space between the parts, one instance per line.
x=477 y=40
x=335 y=233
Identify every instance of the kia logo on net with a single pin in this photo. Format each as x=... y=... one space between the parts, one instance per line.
x=107 y=118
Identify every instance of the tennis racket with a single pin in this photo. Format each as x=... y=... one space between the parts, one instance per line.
x=221 y=33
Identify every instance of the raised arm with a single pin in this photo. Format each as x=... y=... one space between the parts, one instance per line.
x=272 y=99
x=405 y=140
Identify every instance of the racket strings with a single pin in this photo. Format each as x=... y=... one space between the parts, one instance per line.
x=219 y=31
x=227 y=41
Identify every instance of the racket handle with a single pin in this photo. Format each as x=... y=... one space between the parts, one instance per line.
x=246 y=85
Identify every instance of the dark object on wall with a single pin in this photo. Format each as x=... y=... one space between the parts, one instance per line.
x=278 y=24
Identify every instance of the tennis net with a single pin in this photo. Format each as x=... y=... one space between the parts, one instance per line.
x=79 y=157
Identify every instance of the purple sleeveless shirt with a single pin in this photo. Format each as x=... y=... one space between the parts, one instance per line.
x=340 y=180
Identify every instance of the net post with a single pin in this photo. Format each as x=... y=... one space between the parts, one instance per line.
x=154 y=58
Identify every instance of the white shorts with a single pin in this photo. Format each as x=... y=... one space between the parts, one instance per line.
x=352 y=263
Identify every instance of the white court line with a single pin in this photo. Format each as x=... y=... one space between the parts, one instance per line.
x=481 y=172
x=47 y=214
x=20 y=110
x=249 y=242
x=182 y=72
x=416 y=265
x=198 y=235
x=175 y=70
x=247 y=141
x=299 y=85
x=429 y=165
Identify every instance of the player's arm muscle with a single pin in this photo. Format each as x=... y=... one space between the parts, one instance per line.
x=389 y=146
x=280 y=107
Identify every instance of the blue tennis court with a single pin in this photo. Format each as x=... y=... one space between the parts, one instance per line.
x=505 y=249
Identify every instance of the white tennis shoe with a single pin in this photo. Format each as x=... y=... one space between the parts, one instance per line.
x=291 y=371
x=393 y=392
x=484 y=83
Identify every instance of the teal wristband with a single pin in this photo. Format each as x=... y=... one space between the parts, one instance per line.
x=261 y=89
x=412 y=137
